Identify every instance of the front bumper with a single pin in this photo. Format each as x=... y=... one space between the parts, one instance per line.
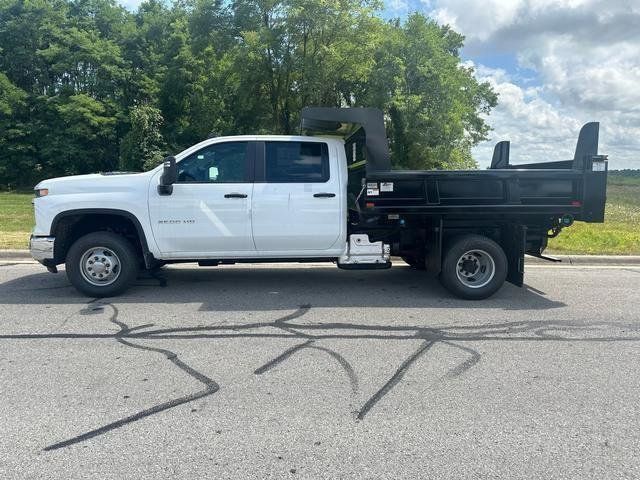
x=42 y=249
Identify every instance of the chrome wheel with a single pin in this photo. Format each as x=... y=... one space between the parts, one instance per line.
x=100 y=266
x=475 y=268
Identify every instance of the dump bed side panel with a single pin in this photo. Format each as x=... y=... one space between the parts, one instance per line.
x=580 y=193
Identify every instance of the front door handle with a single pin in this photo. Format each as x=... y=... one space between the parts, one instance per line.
x=324 y=195
x=235 y=195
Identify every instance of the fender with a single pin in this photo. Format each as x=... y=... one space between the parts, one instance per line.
x=149 y=259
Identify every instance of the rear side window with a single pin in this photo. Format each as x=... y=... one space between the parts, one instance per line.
x=297 y=162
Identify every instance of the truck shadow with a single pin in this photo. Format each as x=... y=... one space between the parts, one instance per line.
x=240 y=288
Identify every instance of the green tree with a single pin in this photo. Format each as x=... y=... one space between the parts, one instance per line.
x=13 y=133
x=11 y=97
x=143 y=146
x=75 y=134
x=179 y=86
x=86 y=85
x=434 y=104
x=296 y=53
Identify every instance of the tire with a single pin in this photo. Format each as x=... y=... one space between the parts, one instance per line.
x=474 y=267
x=102 y=264
x=415 y=263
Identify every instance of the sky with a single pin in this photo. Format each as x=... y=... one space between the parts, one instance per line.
x=555 y=64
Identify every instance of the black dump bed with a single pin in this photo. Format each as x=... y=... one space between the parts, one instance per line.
x=576 y=187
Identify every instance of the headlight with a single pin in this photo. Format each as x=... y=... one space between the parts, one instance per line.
x=41 y=192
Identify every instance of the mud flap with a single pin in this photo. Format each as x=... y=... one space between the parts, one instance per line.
x=514 y=239
x=434 y=245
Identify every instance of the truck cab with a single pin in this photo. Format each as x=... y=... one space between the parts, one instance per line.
x=310 y=198
x=252 y=197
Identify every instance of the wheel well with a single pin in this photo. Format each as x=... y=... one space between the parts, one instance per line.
x=73 y=226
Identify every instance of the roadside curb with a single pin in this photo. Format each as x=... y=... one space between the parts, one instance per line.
x=15 y=255
x=567 y=260
x=578 y=260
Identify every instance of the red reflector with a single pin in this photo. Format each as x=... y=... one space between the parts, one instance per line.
x=370 y=205
x=576 y=203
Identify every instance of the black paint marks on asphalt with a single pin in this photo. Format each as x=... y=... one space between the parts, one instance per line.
x=395 y=378
x=92 y=308
x=210 y=385
x=467 y=364
x=281 y=358
x=346 y=366
x=309 y=335
x=310 y=343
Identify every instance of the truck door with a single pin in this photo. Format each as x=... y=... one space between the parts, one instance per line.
x=209 y=210
x=297 y=197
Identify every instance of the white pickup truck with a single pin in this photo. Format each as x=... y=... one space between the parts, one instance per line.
x=305 y=198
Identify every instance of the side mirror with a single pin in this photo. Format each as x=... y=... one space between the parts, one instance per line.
x=169 y=176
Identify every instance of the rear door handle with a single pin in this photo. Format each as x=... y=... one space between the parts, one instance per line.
x=235 y=195
x=324 y=195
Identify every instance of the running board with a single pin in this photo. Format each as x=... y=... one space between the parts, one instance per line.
x=364 y=266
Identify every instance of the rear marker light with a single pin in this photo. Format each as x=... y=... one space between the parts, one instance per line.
x=370 y=205
x=576 y=203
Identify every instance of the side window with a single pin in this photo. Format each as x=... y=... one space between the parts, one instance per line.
x=218 y=163
x=296 y=162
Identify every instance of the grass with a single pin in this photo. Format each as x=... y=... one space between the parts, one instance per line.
x=619 y=235
x=16 y=219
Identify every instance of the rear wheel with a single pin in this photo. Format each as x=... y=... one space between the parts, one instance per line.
x=101 y=264
x=474 y=267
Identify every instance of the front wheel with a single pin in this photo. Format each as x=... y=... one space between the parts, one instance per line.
x=474 y=267
x=101 y=264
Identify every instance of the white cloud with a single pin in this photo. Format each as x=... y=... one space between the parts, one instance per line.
x=396 y=7
x=585 y=56
x=537 y=130
x=130 y=5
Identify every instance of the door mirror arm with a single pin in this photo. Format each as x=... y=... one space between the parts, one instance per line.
x=169 y=176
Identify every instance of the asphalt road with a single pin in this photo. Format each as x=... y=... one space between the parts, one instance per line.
x=312 y=372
